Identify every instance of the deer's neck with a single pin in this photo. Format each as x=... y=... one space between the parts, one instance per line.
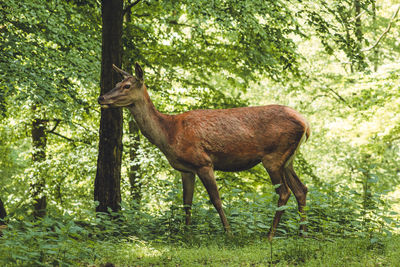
x=153 y=124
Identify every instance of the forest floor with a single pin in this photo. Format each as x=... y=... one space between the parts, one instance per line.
x=283 y=252
x=62 y=242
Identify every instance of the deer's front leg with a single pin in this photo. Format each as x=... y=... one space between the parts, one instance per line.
x=206 y=175
x=188 y=179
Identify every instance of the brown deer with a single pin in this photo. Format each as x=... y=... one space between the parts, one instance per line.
x=236 y=139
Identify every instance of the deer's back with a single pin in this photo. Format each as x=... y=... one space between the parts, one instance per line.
x=236 y=138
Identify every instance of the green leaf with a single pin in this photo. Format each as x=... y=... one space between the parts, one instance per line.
x=284 y=207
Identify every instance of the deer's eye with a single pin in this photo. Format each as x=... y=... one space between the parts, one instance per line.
x=126 y=86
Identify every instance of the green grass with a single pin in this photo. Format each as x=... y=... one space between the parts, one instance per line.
x=63 y=242
x=285 y=252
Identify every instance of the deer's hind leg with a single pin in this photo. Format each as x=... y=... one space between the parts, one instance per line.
x=299 y=190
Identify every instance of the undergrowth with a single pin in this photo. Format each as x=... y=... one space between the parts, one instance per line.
x=53 y=243
x=340 y=228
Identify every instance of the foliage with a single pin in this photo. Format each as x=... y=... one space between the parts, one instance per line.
x=191 y=41
x=203 y=54
x=42 y=55
x=133 y=238
x=49 y=71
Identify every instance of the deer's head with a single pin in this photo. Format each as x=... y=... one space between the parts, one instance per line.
x=126 y=92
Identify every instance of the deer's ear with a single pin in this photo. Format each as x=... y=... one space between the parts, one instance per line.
x=138 y=72
x=122 y=72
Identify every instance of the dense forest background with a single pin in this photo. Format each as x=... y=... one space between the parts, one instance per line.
x=336 y=62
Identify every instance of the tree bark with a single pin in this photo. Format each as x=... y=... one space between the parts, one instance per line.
x=134 y=176
x=357 y=24
x=3 y=212
x=359 y=36
x=134 y=136
x=376 y=51
x=108 y=177
x=39 y=141
x=344 y=18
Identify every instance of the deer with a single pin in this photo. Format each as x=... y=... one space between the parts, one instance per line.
x=198 y=142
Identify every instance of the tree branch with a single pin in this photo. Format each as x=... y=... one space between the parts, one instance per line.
x=55 y=126
x=174 y=22
x=385 y=32
x=315 y=98
x=339 y=97
x=393 y=139
x=356 y=17
x=69 y=139
x=126 y=9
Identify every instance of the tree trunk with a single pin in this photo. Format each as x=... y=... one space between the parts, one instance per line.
x=359 y=36
x=108 y=177
x=134 y=176
x=134 y=137
x=344 y=17
x=3 y=212
x=39 y=141
x=349 y=49
x=376 y=51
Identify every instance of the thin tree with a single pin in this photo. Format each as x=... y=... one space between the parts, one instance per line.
x=375 y=57
x=3 y=212
x=108 y=176
x=361 y=64
x=39 y=142
x=134 y=135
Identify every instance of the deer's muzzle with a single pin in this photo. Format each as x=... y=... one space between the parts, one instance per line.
x=101 y=100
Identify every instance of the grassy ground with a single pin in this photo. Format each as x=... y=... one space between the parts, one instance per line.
x=57 y=243
x=285 y=252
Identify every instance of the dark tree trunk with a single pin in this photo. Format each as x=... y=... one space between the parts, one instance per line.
x=133 y=173
x=3 y=212
x=376 y=51
x=108 y=177
x=39 y=141
x=134 y=176
x=359 y=36
x=358 y=30
x=349 y=49
x=344 y=17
